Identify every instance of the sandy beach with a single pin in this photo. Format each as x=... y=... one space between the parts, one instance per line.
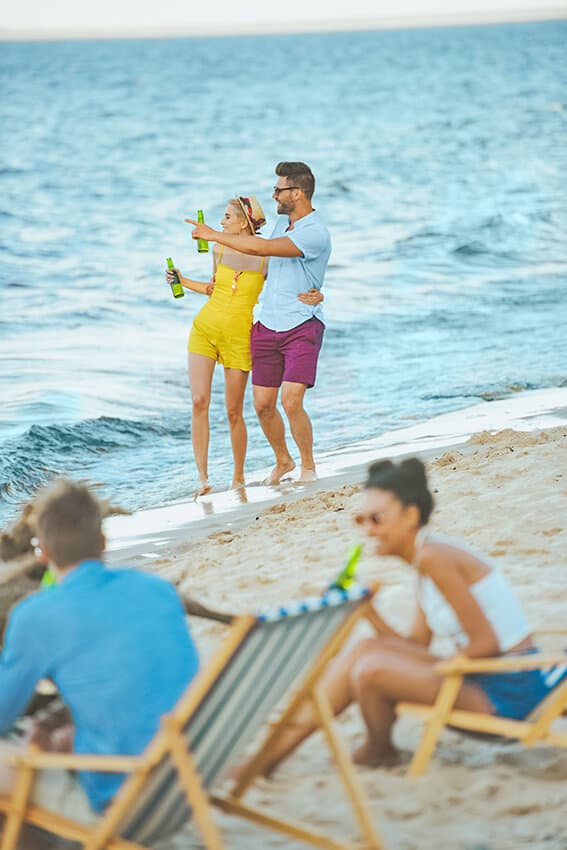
x=503 y=493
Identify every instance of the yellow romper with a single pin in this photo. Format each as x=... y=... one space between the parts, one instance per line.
x=221 y=329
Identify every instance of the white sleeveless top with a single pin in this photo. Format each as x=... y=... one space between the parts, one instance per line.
x=494 y=596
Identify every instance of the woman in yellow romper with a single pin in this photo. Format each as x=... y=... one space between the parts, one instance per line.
x=221 y=334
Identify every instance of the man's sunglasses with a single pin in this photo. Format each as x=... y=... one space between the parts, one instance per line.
x=278 y=191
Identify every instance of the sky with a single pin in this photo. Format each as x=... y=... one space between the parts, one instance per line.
x=109 y=14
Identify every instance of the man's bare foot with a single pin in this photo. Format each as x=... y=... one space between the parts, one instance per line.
x=278 y=472
x=308 y=473
x=369 y=757
x=239 y=489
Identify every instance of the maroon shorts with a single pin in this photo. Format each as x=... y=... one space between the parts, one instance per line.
x=279 y=356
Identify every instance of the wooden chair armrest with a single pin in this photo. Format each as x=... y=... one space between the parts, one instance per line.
x=76 y=761
x=504 y=664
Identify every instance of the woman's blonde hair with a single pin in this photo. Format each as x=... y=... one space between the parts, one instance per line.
x=237 y=206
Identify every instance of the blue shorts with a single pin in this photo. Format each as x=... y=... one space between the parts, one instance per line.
x=515 y=695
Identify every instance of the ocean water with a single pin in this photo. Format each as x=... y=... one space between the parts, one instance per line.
x=441 y=161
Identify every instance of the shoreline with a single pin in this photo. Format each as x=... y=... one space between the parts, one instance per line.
x=149 y=534
x=262 y=28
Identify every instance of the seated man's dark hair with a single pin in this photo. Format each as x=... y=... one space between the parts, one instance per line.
x=406 y=480
x=300 y=174
x=69 y=523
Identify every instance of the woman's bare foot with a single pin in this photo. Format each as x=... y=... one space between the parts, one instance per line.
x=237 y=483
x=240 y=771
x=369 y=757
x=202 y=488
x=278 y=472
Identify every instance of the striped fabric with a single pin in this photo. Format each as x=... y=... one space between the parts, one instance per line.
x=277 y=653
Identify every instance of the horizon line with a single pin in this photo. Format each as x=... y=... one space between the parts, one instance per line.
x=211 y=30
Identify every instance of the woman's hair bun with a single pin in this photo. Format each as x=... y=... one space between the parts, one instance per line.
x=407 y=480
x=414 y=468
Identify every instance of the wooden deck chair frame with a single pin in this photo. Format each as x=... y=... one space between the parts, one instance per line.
x=104 y=834
x=535 y=729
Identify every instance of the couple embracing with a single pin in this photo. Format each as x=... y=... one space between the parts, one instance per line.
x=283 y=346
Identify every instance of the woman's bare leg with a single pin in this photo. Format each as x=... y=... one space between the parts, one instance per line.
x=201 y=370
x=377 y=673
x=382 y=678
x=235 y=387
x=336 y=683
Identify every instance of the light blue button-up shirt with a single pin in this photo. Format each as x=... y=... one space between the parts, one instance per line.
x=288 y=276
x=116 y=644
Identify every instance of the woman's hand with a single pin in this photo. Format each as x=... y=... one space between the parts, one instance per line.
x=170 y=275
x=211 y=286
x=312 y=296
x=202 y=231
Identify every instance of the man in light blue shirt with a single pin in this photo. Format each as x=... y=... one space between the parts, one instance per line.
x=114 y=642
x=287 y=337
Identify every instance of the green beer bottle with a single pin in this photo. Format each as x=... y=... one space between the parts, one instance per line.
x=176 y=287
x=202 y=244
x=48 y=579
x=347 y=575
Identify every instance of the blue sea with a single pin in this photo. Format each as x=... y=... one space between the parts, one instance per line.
x=441 y=165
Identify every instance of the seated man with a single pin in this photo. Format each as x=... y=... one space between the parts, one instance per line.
x=114 y=642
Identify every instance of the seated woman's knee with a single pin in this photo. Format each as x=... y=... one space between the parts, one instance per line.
x=370 y=667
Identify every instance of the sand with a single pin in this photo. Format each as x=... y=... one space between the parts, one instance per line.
x=505 y=494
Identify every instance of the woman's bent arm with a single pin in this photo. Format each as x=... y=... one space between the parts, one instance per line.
x=194 y=285
x=439 y=566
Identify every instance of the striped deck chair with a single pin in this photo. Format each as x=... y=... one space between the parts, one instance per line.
x=537 y=728
x=263 y=659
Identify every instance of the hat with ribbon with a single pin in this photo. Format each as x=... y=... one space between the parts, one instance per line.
x=252 y=209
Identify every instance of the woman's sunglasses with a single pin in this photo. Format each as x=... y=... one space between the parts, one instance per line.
x=370 y=519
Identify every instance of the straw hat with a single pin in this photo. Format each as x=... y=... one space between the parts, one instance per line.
x=252 y=209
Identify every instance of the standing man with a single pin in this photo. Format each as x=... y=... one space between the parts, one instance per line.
x=286 y=340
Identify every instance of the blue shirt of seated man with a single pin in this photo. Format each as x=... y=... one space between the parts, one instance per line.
x=117 y=646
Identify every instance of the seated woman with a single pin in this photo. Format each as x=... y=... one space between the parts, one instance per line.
x=460 y=596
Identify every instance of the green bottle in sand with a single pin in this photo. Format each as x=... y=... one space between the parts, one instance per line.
x=347 y=575
x=176 y=287
x=202 y=244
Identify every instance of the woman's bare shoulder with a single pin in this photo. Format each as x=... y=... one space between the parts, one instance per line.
x=439 y=555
